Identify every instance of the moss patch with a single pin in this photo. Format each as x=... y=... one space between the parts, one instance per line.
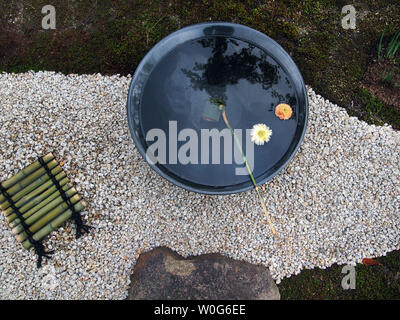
x=372 y=282
x=112 y=36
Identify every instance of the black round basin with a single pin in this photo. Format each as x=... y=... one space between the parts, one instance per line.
x=175 y=97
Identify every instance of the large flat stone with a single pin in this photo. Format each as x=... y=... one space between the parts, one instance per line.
x=163 y=274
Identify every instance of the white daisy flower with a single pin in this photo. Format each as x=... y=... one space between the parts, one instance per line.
x=260 y=134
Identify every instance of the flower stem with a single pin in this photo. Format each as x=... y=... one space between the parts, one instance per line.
x=222 y=107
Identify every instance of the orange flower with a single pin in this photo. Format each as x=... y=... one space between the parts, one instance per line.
x=283 y=111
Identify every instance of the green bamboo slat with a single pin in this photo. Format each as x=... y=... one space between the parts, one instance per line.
x=37 y=195
x=13 y=219
x=35 y=184
x=38 y=200
x=52 y=225
x=48 y=217
x=20 y=185
x=31 y=216
x=25 y=172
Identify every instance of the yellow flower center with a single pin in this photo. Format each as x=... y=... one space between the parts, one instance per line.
x=261 y=134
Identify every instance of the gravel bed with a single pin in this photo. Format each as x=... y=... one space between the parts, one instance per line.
x=337 y=201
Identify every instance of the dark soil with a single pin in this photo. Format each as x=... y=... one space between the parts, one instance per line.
x=112 y=36
x=383 y=90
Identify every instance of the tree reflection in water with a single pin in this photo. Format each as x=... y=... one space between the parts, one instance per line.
x=224 y=68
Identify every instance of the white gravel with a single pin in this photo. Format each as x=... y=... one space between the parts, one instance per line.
x=338 y=201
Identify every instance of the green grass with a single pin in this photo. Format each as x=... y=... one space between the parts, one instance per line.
x=390 y=53
x=393 y=46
